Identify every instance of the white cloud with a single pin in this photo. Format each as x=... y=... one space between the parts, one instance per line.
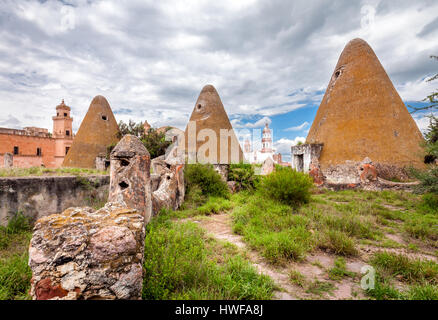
x=284 y=145
x=237 y=123
x=298 y=128
x=153 y=57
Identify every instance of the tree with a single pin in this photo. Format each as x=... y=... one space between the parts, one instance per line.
x=154 y=140
x=432 y=98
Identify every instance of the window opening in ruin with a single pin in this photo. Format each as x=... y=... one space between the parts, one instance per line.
x=124 y=163
x=123 y=185
x=104 y=118
x=38 y=151
x=67 y=132
x=300 y=162
x=65 y=114
x=16 y=150
x=429 y=159
x=199 y=107
x=66 y=150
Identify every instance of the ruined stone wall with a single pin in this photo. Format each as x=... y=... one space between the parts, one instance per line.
x=40 y=196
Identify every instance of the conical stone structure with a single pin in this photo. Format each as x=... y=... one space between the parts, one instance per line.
x=362 y=115
x=209 y=136
x=98 y=130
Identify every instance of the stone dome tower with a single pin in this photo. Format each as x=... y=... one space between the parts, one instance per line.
x=98 y=130
x=362 y=115
x=209 y=125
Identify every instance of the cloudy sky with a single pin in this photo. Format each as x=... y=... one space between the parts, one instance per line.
x=269 y=60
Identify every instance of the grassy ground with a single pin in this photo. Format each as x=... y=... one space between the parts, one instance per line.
x=317 y=246
x=181 y=262
x=41 y=171
x=357 y=225
x=14 y=272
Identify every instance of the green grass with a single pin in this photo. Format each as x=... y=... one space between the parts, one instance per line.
x=182 y=263
x=339 y=270
x=419 y=276
x=272 y=228
x=41 y=171
x=409 y=270
x=14 y=272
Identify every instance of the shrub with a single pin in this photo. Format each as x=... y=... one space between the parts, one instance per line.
x=287 y=186
x=428 y=179
x=206 y=178
x=244 y=175
x=429 y=203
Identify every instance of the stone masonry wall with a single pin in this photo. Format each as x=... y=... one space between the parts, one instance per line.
x=40 y=196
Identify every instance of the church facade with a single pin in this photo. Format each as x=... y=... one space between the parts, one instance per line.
x=267 y=150
x=36 y=147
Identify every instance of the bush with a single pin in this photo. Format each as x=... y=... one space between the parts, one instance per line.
x=429 y=203
x=287 y=186
x=428 y=179
x=206 y=178
x=244 y=175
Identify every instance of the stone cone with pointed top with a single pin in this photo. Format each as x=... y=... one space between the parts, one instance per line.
x=98 y=130
x=362 y=115
x=209 y=123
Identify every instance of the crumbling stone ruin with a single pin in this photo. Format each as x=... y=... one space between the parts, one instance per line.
x=86 y=254
x=98 y=130
x=268 y=166
x=168 y=188
x=130 y=175
x=8 y=160
x=360 y=116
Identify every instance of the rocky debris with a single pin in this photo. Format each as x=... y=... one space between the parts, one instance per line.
x=8 y=159
x=316 y=173
x=223 y=170
x=268 y=166
x=367 y=171
x=102 y=163
x=233 y=186
x=86 y=254
x=158 y=165
x=130 y=176
x=168 y=188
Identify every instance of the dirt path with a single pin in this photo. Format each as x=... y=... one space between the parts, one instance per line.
x=219 y=226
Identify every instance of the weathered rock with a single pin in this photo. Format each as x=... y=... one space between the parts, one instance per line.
x=233 y=186
x=130 y=175
x=8 y=158
x=223 y=170
x=367 y=171
x=316 y=173
x=268 y=166
x=170 y=191
x=102 y=163
x=86 y=254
